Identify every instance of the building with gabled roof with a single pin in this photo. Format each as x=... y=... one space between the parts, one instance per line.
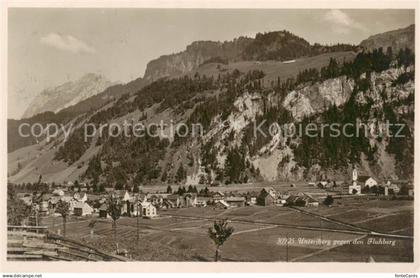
x=266 y=198
x=218 y=195
x=202 y=201
x=167 y=204
x=58 y=192
x=147 y=210
x=175 y=199
x=82 y=209
x=302 y=199
x=221 y=204
x=367 y=181
x=235 y=201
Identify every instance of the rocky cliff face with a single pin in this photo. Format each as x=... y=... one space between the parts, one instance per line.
x=315 y=98
x=397 y=39
x=67 y=94
x=194 y=55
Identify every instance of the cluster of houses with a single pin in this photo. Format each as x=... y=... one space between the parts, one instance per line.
x=147 y=205
x=368 y=184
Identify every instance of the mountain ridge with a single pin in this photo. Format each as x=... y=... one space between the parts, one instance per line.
x=360 y=84
x=276 y=45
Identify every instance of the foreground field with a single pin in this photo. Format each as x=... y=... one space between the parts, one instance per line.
x=262 y=233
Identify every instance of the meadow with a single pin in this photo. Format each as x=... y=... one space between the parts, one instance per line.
x=181 y=234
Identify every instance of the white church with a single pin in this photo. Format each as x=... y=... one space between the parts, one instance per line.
x=355 y=188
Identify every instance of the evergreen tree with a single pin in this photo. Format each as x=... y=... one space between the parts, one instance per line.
x=63 y=208
x=180 y=174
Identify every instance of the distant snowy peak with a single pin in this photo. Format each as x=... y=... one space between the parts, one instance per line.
x=67 y=94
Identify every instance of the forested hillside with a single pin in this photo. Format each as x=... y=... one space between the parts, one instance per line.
x=373 y=87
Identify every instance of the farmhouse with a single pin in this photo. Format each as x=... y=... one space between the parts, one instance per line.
x=392 y=187
x=251 y=198
x=58 y=192
x=167 y=204
x=218 y=196
x=292 y=200
x=302 y=200
x=322 y=184
x=221 y=204
x=367 y=181
x=271 y=191
x=202 y=201
x=235 y=201
x=310 y=201
x=147 y=210
x=157 y=199
x=405 y=187
x=82 y=209
x=266 y=197
x=281 y=202
x=174 y=199
x=284 y=195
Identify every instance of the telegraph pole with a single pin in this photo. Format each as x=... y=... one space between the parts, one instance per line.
x=138 y=224
x=320 y=226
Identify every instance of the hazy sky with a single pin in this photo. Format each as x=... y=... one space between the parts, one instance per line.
x=48 y=47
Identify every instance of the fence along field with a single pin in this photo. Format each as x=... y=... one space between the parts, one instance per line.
x=34 y=243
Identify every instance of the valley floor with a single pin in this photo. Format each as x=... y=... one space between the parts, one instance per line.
x=352 y=230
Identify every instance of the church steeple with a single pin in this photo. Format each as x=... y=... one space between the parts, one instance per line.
x=354 y=175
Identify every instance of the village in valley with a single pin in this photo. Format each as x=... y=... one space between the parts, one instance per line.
x=148 y=204
x=318 y=209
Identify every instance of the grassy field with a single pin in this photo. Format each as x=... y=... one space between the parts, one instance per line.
x=274 y=69
x=181 y=234
x=390 y=216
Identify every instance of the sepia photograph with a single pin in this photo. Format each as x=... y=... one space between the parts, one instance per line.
x=210 y=135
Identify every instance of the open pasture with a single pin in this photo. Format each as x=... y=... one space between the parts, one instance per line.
x=390 y=216
x=181 y=234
